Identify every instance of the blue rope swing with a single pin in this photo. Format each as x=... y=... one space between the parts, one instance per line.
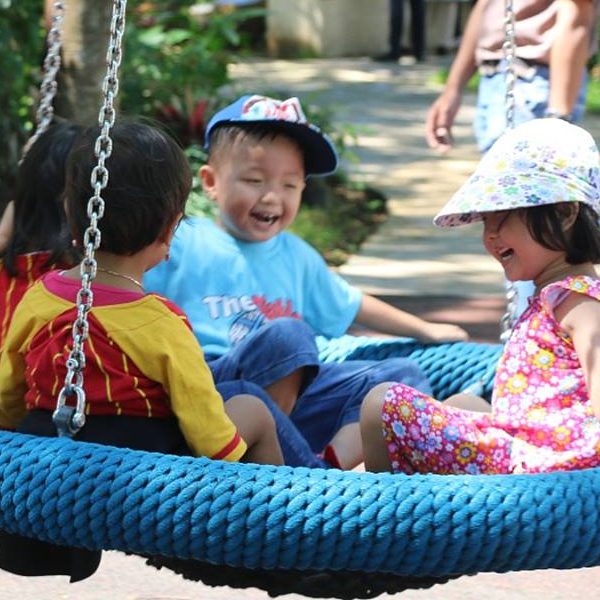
x=323 y=533
x=342 y=534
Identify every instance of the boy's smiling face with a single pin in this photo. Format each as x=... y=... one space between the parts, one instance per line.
x=257 y=184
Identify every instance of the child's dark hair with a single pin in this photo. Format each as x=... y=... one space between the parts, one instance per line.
x=40 y=223
x=224 y=136
x=148 y=184
x=581 y=242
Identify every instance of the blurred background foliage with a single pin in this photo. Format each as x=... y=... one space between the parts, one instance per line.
x=175 y=71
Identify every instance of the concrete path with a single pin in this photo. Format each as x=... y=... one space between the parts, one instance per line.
x=406 y=257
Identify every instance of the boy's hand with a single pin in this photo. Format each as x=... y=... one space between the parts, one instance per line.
x=377 y=315
x=442 y=332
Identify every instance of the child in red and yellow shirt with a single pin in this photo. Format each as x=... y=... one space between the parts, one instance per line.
x=34 y=237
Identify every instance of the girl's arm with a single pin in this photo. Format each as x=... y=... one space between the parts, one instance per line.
x=580 y=317
x=7 y=223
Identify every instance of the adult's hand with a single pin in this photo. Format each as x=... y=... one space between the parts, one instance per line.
x=440 y=119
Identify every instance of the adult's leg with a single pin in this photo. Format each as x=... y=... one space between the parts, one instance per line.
x=396 y=24
x=417 y=31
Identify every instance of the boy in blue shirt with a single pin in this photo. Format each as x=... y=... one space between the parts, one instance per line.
x=257 y=295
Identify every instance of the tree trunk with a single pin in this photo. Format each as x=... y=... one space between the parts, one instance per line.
x=86 y=30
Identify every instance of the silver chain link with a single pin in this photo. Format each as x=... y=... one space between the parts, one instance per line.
x=52 y=61
x=509 y=52
x=69 y=419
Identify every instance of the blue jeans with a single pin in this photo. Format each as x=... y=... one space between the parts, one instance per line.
x=331 y=394
x=335 y=396
x=531 y=102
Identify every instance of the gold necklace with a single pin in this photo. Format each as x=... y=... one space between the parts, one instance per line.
x=122 y=276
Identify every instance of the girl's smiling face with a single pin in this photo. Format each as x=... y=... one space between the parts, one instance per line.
x=507 y=238
x=257 y=184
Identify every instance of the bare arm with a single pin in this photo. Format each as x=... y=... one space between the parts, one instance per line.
x=441 y=115
x=569 y=53
x=7 y=223
x=385 y=318
x=580 y=317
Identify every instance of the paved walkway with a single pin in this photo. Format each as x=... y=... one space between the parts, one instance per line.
x=407 y=257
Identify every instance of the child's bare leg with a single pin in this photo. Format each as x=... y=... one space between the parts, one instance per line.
x=347 y=446
x=285 y=392
x=371 y=428
x=469 y=402
x=257 y=427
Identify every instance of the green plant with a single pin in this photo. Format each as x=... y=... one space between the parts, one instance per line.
x=340 y=224
x=174 y=62
x=441 y=76
x=593 y=95
x=22 y=41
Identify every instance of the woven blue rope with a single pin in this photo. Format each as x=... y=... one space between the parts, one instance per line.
x=261 y=517
x=266 y=517
x=450 y=367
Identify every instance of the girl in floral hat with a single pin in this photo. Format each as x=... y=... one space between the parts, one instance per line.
x=537 y=193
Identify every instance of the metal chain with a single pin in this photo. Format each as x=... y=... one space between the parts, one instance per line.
x=509 y=51
x=52 y=61
x=68 y=419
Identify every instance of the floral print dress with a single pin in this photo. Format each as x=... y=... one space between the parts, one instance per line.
x=541 y=417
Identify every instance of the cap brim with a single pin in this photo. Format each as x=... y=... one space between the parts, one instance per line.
x=320 y=157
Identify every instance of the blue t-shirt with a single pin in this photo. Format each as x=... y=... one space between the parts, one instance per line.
x=228 y=287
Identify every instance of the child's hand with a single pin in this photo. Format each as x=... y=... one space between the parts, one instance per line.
x=443 y=332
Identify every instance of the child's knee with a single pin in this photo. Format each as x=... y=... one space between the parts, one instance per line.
x=251 y=417
x=372 y=406
x=259 y=411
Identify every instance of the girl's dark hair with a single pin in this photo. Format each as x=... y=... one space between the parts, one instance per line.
x=148 y=184
x=40 y=221
x=581 y=242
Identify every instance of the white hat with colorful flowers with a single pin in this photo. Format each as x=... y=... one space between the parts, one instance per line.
x=544 y=161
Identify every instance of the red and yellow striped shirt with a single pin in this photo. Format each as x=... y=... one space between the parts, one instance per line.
x=142 y=360
x=29 y=267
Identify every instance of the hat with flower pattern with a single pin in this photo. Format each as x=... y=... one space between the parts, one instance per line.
x=544 y=161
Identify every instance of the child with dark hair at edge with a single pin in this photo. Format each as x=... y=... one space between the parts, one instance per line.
x=537 y=193
x=146 y=381
x=257 y=295
x=34 y=236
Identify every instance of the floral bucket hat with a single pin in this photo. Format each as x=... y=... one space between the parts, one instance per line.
x=544 y=161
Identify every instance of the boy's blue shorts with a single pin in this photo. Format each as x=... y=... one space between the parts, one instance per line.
x=332 y=393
